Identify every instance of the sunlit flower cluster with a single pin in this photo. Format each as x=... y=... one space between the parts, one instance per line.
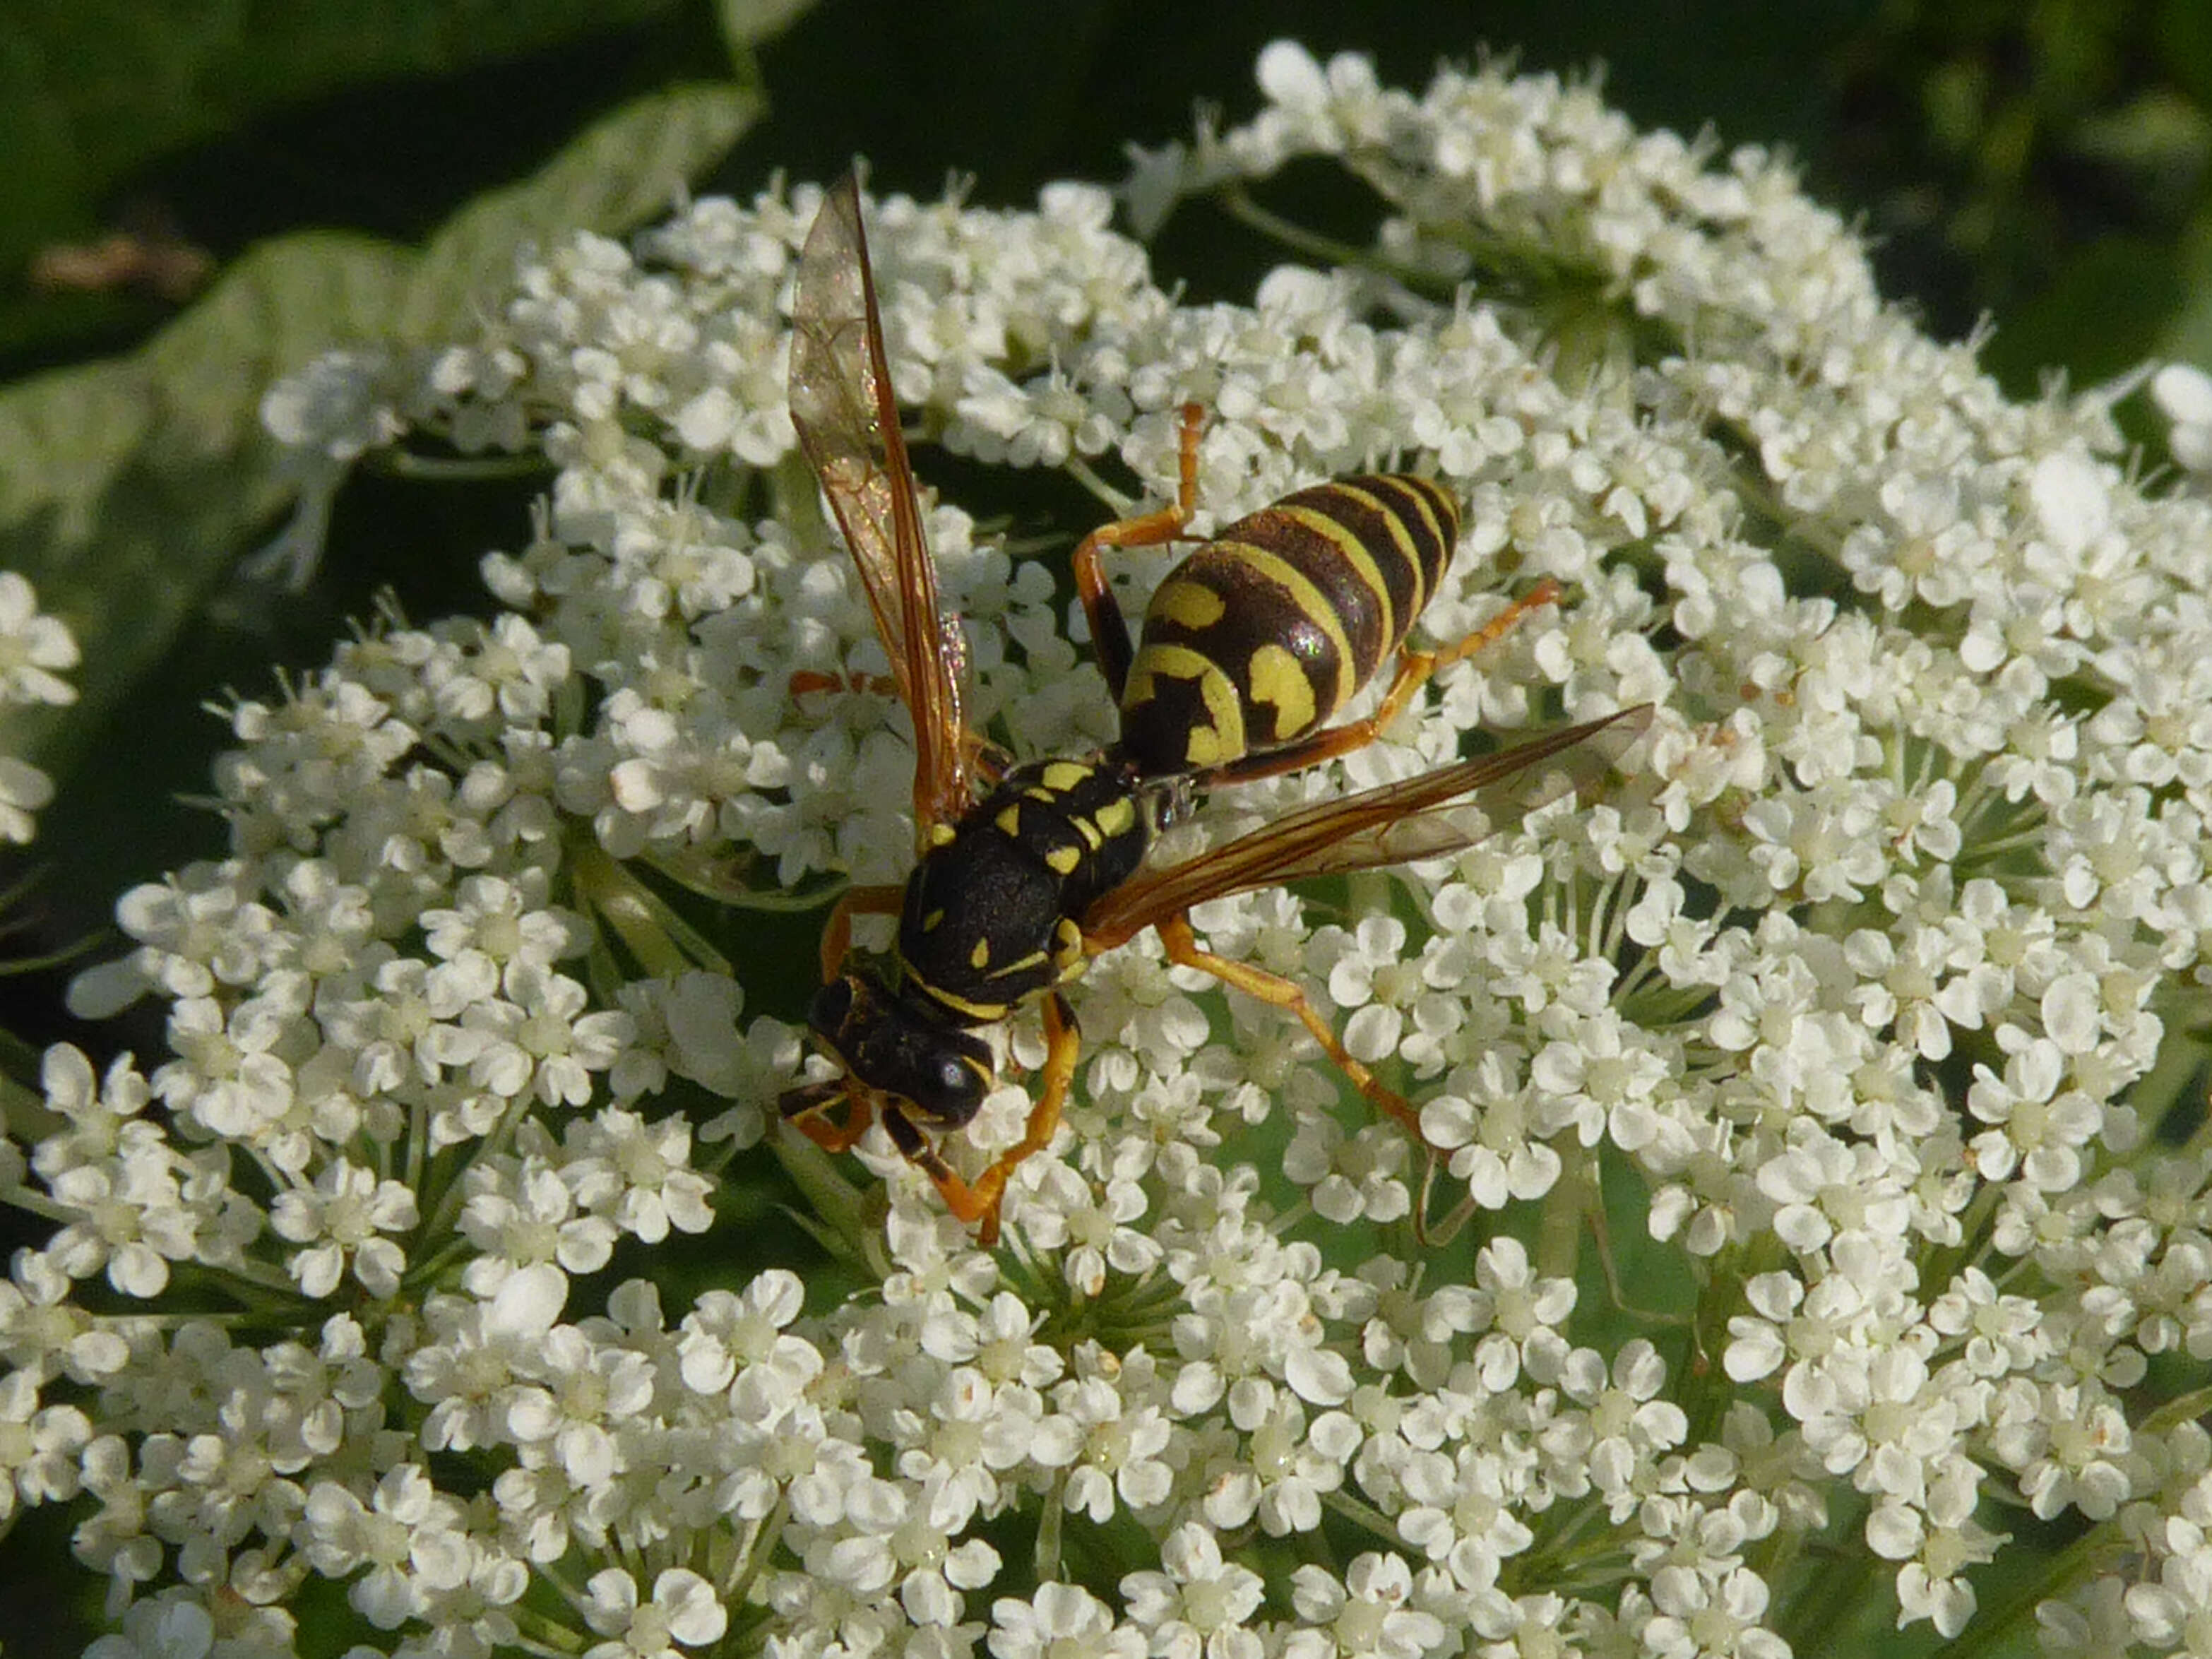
x=1827 y=1166
x=2182 y=394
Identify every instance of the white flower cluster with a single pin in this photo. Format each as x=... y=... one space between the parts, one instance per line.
x=1844 y=1018
x=35 y=650
x=2182 y=394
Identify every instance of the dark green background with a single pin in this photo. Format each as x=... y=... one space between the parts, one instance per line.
x=2039 y=164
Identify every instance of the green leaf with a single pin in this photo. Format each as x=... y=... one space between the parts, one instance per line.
x=2188 y=335
x=746 y=23
x=623 y=170
x=130 y=488
x=271 y=312
x=91 y=91
x=2184 y=34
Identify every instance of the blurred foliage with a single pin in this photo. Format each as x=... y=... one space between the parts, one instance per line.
x=2043 y=163
x=146 y=473
x=202 y=194
x=93 y=95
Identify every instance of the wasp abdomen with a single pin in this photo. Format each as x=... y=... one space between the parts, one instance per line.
x=1264 y=634
x=989 y=917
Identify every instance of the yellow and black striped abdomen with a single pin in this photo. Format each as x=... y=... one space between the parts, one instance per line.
x=1266 y=632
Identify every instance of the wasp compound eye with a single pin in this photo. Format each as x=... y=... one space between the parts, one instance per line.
x=959 y=1090
x=943 y=1074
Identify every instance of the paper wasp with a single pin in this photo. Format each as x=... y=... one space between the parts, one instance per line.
x=1250 y=647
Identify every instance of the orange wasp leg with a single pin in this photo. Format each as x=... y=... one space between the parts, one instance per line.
x=814 y=1123
x=804 y=682
x=1274 y=990
x=807 y=1108
x=837 y=931
x=1110 y=630
x=1415 y=669
x=977 y=1203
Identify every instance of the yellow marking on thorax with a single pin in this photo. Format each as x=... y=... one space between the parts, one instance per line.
x=1117 y=817
x=982 y=1012
x=1010 y=821
x=1279 y=677
x=930 y=921
x=940 y=835
x=1064 y=859
x=1061 y=776
x=1068 y=955
x=981 y=955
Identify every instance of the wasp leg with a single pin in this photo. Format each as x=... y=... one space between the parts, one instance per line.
x=914 y=1146
x=1063 y=1042
x=1415 y=669
x=1110 y=630
x=977 y=1203
x=976 y=1206
x=805 y=681
x=1272 y=988
x=806 y=1110
x=837 y=931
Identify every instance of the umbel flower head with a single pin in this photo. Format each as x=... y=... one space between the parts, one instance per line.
x=1816 y=1101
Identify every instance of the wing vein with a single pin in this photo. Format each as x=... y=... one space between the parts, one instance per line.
x=848 y=421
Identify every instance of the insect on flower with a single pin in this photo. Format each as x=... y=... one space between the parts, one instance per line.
x=1249 y=648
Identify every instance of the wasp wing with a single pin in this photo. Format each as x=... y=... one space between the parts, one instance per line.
x=848 y=426
x=1428 y=816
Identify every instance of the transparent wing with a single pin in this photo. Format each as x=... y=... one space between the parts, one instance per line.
x=848 y=425
x=1437 y=813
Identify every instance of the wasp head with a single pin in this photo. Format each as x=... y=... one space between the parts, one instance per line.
x=895 y=1047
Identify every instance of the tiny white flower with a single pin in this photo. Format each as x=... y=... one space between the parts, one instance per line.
x=1366 y=1616
x=684 y=1613
x=1199 y=1606
x=35 y=649
x=343 y=1219
x=1060 y=1622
